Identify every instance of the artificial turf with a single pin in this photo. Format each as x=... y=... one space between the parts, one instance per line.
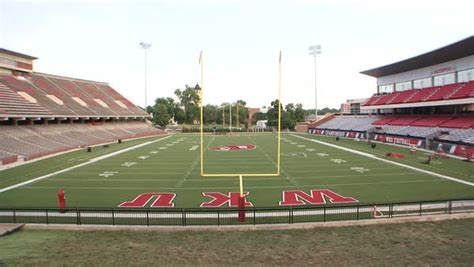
x=173 y=165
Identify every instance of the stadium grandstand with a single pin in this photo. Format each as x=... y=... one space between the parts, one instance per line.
x=425 y=101
x=41 y=114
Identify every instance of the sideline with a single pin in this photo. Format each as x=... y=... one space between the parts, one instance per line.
x=81 y=165
x=388 y=144
x=260 y=227
x=385 y=160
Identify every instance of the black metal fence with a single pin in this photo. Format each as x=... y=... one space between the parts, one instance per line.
x=217 y=217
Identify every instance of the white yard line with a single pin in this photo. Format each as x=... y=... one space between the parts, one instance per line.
x=81 y=165
x=183 y=179
x=387 y=161
x=324 y=185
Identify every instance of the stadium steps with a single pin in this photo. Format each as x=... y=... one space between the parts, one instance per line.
x=104 y=106
x=118 y=97
x=98 y=92
x=73 y=91
x=70 y=107
x=22 y=86
x=14 y=104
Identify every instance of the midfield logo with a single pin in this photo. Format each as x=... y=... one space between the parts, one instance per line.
x=233 y=147
x=231 y=199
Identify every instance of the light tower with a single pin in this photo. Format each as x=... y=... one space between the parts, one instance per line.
x=145 y=46
x=313 y=51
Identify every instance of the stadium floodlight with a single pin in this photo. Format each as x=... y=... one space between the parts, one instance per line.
x=145 y=47
x=313 y=51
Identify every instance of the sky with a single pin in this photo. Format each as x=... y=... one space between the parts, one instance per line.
x=240 y=40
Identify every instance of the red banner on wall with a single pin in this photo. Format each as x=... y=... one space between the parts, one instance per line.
x=398 y=140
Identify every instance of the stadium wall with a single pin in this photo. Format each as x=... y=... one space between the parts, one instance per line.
x=444 y=68
x=435 y=145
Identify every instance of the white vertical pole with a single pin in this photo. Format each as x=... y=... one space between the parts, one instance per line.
x=314 y=50
x=315 y=90
x=145 y=79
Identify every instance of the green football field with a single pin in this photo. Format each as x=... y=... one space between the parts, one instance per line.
x=171 y=164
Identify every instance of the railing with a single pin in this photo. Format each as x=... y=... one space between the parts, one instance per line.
x=217 y=217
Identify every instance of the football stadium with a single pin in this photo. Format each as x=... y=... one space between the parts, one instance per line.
x=412 y=145
x=77 y=154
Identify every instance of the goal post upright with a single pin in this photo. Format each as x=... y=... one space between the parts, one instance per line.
x=201 y=121
x=279 y=115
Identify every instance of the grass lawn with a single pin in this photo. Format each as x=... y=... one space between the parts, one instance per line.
x=416 y=244
x=173 y=165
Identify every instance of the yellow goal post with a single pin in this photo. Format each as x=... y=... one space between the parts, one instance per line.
x=239 y=175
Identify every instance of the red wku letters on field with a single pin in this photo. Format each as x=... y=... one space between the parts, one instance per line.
x=318 y=196
x=219 y=199
x=231 y=199
x=163 y=200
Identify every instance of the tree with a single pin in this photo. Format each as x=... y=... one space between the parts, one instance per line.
x=272 y=113
x=179 y=115
x=288 y=118
x=299 y=113
x=323 y=111
x=162 y=111
x=149 y=109
x=209 y=114
x=189 y=100
x=161 y=116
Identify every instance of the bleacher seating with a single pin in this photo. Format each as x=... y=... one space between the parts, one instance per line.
x=97 y=93
x=430 y=121
x=402 y=97
x=404 y=120
x=444 y=91
x=31 y=104
x=458 y=135
x=43 y=94
x=71 y=106
x=13 y=104
x=421 y=94
x=117 y=97
x=459 y=129
x=31 y=141
x=383 y=121
x=350 y=123
x=459 y=122
x=467 y=90
x=435 y=93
